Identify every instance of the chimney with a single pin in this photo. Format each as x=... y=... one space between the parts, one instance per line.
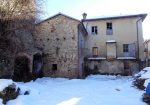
x=84 y=16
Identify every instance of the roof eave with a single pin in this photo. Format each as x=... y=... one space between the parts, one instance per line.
x=116 y=17
x=143 y=16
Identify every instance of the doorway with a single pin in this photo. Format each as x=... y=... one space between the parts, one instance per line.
x=37 y=66
x=21 y=69
x=111 y=50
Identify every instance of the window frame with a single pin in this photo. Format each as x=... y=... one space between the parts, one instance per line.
x=125 y=48
x=109 y=25
x=95 y=51
x=94 y=30
x=109 y=28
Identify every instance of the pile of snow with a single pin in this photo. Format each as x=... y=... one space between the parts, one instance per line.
x=144 y=74
x=4 y=83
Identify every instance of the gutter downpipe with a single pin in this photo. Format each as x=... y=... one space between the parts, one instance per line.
x=137 y=27
x=78 y=54
x=146 y=59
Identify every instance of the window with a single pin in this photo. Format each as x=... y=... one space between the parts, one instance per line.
x=109 y=29
x=95 y=51
x=57 y=50
x=94 y=30
x=125 y=47
x=54 y=67
x=126 y=66
x=109 y=26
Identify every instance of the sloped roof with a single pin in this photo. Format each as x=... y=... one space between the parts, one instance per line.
x=58 y=15
x=117 y=17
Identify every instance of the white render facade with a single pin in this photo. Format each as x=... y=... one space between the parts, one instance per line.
x=114 y=45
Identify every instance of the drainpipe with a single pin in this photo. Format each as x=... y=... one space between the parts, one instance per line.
x=138 y=40
x=146 y=52
x=79 y=70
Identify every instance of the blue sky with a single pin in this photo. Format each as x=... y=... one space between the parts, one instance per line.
x=98 y=8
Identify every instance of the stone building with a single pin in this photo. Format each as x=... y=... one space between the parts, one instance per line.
x=62 y=46
x=61 y=39
x=73 y=48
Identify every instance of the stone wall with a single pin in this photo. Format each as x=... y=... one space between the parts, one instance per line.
x=16 y=30
x=111 y=67
x=18 y=41
x=57 y=37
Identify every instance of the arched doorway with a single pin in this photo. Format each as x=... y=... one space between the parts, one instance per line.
x=37 y=66
x=22 y=69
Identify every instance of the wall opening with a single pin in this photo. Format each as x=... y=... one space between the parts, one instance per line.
x=127 y=70
x=111 y=50
x=54 y=67
x=22 y=69
x=37 y=66
x=126 y=66
x=95 y=51
x=57 y=50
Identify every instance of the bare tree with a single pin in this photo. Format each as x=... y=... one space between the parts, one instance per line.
x=12 y=10
x=16 y=17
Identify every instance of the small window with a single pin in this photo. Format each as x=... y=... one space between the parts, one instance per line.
x=125 y=47
x=57 y=50
x=57 y=39
x=109 y=29
x=64 y=38
x=126 y=66
x=54 y=67
x=95 y=51
x=94 y=30
x=109 y=26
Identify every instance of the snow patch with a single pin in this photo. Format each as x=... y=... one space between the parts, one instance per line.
x=126 y=58
x=144 y=74
x=96 y=58
x=1 y=102
x=4 y=83
x=111 y=41
x=72 y=101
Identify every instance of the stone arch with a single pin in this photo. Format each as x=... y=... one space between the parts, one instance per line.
x=22 y=68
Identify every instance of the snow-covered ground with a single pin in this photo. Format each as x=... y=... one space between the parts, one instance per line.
x=94 y=90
